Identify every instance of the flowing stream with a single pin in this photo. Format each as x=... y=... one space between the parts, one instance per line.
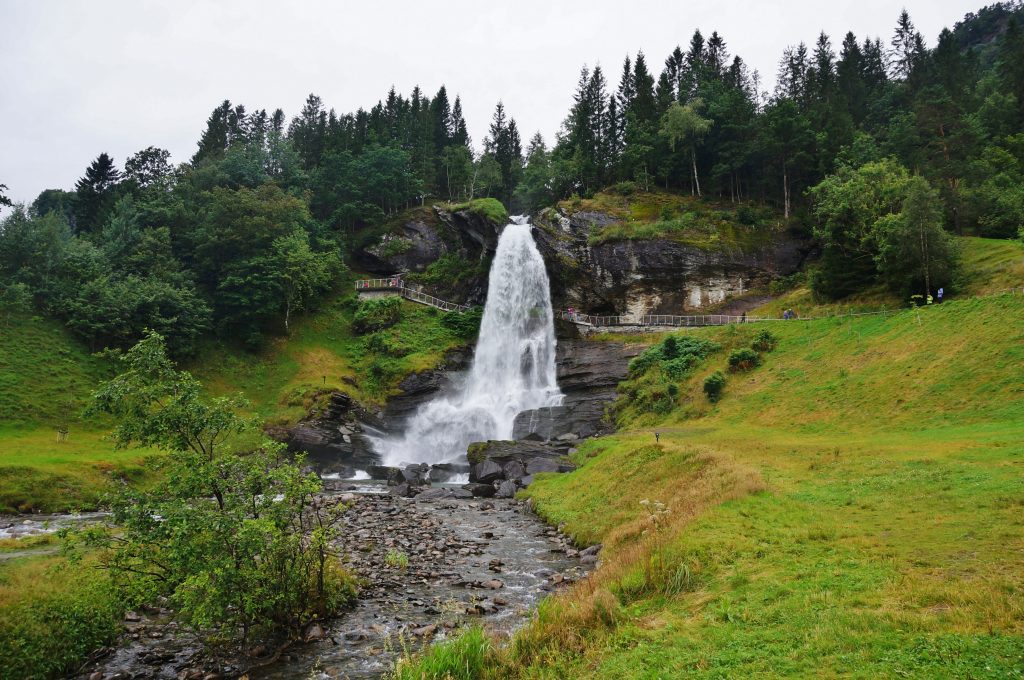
x=513 y=368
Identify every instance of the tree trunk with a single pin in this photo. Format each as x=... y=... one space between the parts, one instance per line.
x=696 y=180
x=785 y=191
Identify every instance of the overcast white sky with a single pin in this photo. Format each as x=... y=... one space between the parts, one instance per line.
x=78 y=78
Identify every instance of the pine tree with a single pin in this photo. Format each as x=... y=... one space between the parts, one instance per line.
x=717 y=56
x=214 y=140
x=1010 y=64
x=850 y=77
x=907 y=47
x=441 y=117
x=95 y=192
x=460 y=135
x=308 y=132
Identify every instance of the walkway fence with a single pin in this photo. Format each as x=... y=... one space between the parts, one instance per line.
x=396 y=285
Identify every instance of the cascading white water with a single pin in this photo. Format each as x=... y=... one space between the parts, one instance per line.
x=513 y=369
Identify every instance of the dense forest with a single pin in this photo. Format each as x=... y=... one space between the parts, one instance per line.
x=877 y=149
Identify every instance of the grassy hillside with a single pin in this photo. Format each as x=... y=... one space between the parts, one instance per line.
x=47 y=376
x=852 y=507
x=324 y=355
x=988 y=266
x=705 y=224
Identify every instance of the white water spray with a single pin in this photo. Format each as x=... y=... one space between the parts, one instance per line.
x=513 y=369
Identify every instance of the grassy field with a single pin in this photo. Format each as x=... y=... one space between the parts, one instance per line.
x=853 y=507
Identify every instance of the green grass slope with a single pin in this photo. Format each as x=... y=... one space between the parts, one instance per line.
x=853 y=507
x=47 y=377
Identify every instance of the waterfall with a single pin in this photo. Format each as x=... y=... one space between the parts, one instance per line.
x=513 y=368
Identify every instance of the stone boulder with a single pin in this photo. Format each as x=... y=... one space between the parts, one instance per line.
x=507 y=489
x=480 y=490
x=485 y=472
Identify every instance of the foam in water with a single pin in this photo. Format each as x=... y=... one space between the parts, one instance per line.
x=513 y=369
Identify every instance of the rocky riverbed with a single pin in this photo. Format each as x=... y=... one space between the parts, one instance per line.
x=430 y=566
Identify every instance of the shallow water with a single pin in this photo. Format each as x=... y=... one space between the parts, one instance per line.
x=454 y=549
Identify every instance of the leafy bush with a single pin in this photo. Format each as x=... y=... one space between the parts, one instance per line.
x=676 y=369
x=377 y=314
x=466 y=324
x=675 y=354
x=764 y=341
x=624 y=188
x=743 y=359
x=239 y=544
x=388 y=345
x=782 y=284
x=713 y=386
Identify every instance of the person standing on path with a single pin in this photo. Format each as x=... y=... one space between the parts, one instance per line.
x=657 y=436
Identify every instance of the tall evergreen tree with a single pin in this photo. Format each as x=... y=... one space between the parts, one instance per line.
x=95 y=193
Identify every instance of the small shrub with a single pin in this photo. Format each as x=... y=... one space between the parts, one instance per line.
x=713 y=386
x=676 y=369
x=382 y=343
x=396 y=559
x=375 y=315
x=465 y=324
x=764 y=341
x=747 y=215
x=624 y=188
x=673 y=390
x=784 y=283
x=744 y=359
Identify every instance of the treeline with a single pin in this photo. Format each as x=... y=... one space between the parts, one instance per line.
x=247 y=232
x=253 y=227
x=953 y=114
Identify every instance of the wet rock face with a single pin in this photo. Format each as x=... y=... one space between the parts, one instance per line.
x=656 y=276
x=335 y=440
x=427 y=235
x=588 y=374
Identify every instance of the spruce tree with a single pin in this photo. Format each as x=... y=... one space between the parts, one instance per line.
x=94 y=192
x=214 y=140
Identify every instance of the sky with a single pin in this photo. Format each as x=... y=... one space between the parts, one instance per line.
x=79 y=78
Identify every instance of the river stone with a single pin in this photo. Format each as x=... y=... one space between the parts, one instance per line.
x=404 y=490
x=382 y=472
x=507 y=489
x=434 y=494
x=480 y=490
x=462 y=493
x=485 y=472
x=514 y=470
x=526 y=480
x=416 y=474
x=541 y=465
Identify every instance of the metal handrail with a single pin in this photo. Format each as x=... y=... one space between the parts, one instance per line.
x=396 y=284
